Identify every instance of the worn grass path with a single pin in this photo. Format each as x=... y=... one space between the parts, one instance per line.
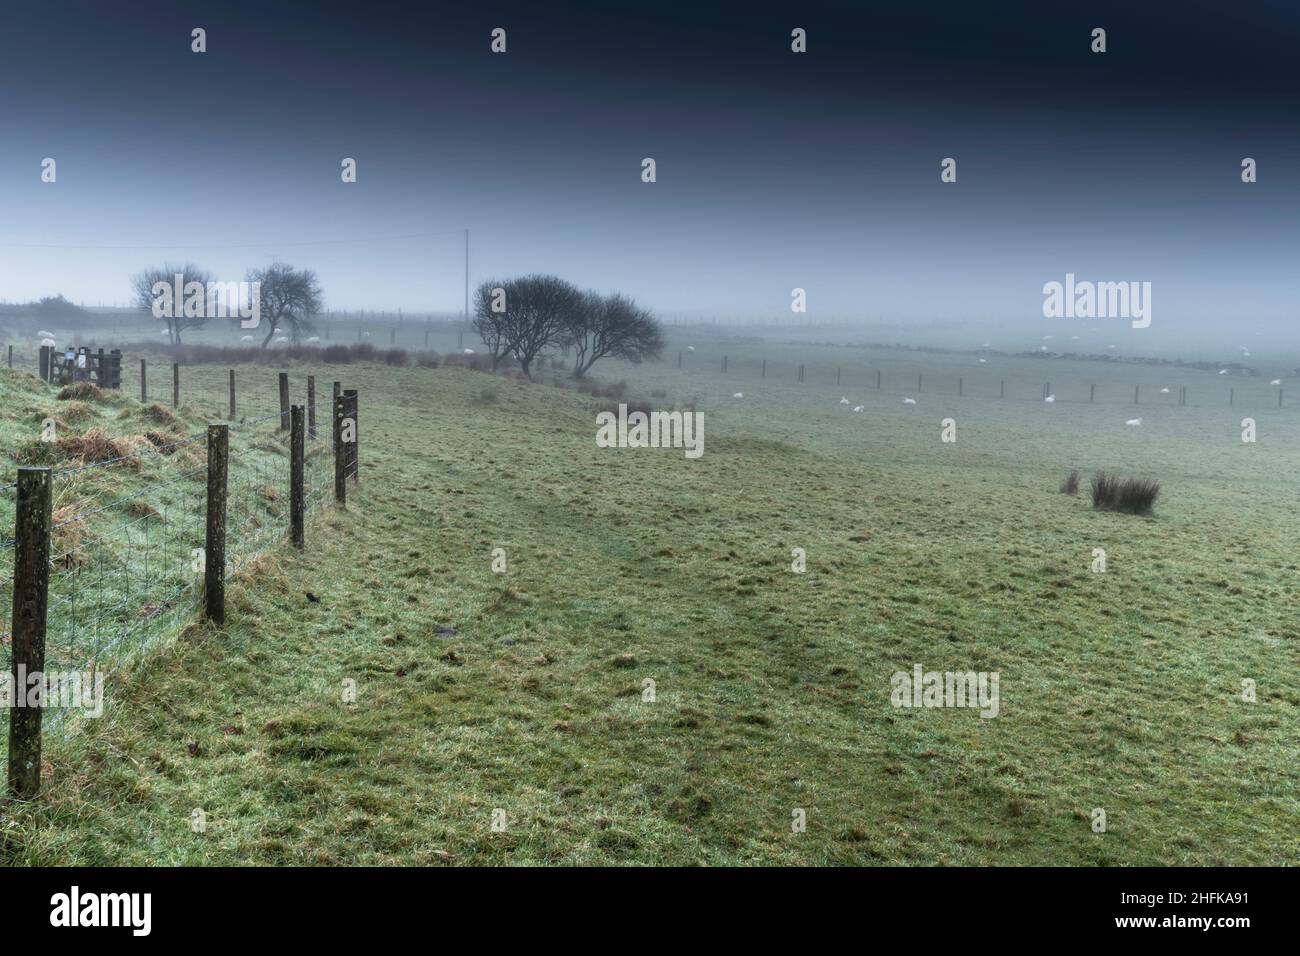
x=523 y=692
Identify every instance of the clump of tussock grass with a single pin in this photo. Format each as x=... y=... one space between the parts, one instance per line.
x=1129 y=495
x=1070 y=486
x=612 y=390
x=95 y=445
x=475 y=362
x=488 y=396
x=161 y=415
x=81 y=391
x=76 y=411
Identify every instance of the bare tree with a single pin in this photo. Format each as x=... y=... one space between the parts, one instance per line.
x=611 y=325
x=537 y=309
x=287 y=295
x=143 y=283
x=489 y=323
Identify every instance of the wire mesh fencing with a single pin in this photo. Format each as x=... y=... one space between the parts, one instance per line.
x=124 y=541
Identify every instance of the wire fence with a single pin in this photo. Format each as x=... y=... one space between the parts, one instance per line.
x=128 y=540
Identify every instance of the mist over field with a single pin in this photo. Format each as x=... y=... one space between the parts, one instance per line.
x=725 y=435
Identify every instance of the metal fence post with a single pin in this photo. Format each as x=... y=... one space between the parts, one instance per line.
x=176 y=384
x=232 y=394
x=144 y=387
x=340 y=459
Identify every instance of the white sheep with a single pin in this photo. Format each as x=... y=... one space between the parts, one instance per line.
x=1276 y=381
x=858 y=408
x=1134 y=421
x=1049 y=399
x=1223 y=371
x=314 y=338
x=909 y=401
x=1164 y=391
x=690 y=348
x=984 y=361
x=739 y=395
x=844 y=401
x=45 y=335
x=469 y=351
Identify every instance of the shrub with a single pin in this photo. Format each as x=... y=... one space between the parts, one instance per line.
x=426 y=359
x=396 y=357
x=1130 y=495
x=1071 y=484
x=336 y=355
x=81 y=391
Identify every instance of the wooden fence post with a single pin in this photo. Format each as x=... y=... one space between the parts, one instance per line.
x=295 y=477
x=354 y=459
x=679 y=359
x=144 y=378
x=800 y=373
x=311 y=407
x=31 y=585
x=1230 y=397
x=1135 y=393
x=837 y=376
x=214 y=544
x=45 y=363
x=340 y=459
x=1002 y=388
x=877 y=379
x=11 y=356
x=284 y=401
x=232 y=394
x=1092 y=392
x=764 y=375
x=918 y=381
x=1279 y=398
x=176 y=385
x=961 y=385
x=724 y=363
x=338 y=392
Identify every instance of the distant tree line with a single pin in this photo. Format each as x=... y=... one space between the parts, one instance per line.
x=524 y=317
x=289 y=298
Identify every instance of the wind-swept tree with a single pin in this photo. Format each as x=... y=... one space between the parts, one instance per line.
x=611 y=325
x=537 y=310
x=143 y=283
x=287 y=296
x=490 y=319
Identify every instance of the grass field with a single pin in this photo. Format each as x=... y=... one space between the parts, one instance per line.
x=523 y=692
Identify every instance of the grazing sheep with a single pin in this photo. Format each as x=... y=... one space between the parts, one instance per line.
x=45 y=335
x=245 y=338
x=1134 y=421
x=844 y=401
x=858 y=408
x=739 y=395
x=909 y=401
x=1049 y=399
x=314 y=338
x=469 y=351
x=1276 y=381
x=1164 y=391
x=984 y=361
x=366 y=334
x=1223 y=371
x=690 y=348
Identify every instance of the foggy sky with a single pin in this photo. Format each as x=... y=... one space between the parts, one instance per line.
x=775 y=170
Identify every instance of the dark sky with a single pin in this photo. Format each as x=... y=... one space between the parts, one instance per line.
x=775 y=170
